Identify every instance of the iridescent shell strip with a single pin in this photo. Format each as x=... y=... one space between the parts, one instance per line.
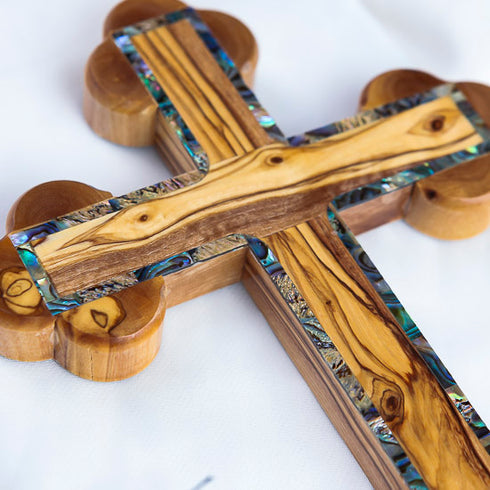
x=342 y=372
x=122 y=38
x=410 y=328
x=22 y=240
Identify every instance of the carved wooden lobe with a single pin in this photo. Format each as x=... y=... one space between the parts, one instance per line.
x=371 y=369
x=256 y=183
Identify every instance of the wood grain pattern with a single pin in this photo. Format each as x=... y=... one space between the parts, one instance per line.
x=451 y=205
x=377 y=371
x=460 y=197
x=200 y=90
x=396 y=379
x=26 y=326
x=116 y=104
x=112 y=338
x=205 y=277
x=234 y=36
x=106 y=340
x=332 y=397
x=260 y=193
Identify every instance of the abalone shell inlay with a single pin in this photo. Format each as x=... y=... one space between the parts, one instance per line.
x=289 y=292
x=22 y=240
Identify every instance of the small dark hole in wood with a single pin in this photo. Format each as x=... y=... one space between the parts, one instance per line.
x=144 y=218
x=431 y=194
x=276 y=159
x=437 y=123
x=392 y=403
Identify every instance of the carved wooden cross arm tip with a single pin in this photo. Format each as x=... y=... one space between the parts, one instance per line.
x=250 y=203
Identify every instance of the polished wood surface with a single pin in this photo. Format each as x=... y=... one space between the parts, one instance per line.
x=201 y=92
x=259 y=193
x=454 y=204
x=332 y=397
x=116 y=104
x=271 y=191
x=395 y=378
x=105 y=340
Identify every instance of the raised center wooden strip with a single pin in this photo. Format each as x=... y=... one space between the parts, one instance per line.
x=260 y=193
x=205 y=98
x=426 y=423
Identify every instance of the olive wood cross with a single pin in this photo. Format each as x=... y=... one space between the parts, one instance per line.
x=375 y=375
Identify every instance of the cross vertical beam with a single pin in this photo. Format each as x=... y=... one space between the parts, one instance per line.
x=386 y=391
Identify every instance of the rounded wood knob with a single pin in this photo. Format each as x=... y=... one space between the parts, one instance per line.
x=455 y=203
x=116 y=103
x=109 y=339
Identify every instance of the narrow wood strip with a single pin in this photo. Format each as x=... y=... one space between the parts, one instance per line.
x=205 y=277
x=260 y=193
x=378 y=211
x=200 y=90
x=331 y=396
x=433 y=434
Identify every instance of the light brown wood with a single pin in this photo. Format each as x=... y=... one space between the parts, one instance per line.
x=260 y=193
x=381 y=357
x=106 y=340
x=452 y=205
x=332 y=397
x=204 y=278
x=116 y=104
x=112 y=338
x=259 y=188
x=26 y=327
x=214 y=111
x=234 y=36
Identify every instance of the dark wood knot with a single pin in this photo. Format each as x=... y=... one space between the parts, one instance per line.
x=437 y=124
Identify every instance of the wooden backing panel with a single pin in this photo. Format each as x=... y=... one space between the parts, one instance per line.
x=436 y=438
x=50 y=199
x=205 y=98
x=112 y=338
x=130 y=12
x=453 y=204
x=205 y=277
x=108 y=339
x=232 y=34
x=378 y=211
x=330 y=395
x=116 y=105
x=395 y=84
x=260 y=193
x=435 y=209
x=26 y=326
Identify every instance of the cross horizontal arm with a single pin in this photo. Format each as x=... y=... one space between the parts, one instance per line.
x=262 y=192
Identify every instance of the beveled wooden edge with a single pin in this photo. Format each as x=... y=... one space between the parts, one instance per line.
x=116 y=104
x=452 y=205
x=105 y=340
x=333 y=399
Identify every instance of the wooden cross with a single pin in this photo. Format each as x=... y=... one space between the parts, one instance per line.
x=367 y=363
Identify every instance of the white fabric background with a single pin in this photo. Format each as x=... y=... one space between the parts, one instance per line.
x=222 y=400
